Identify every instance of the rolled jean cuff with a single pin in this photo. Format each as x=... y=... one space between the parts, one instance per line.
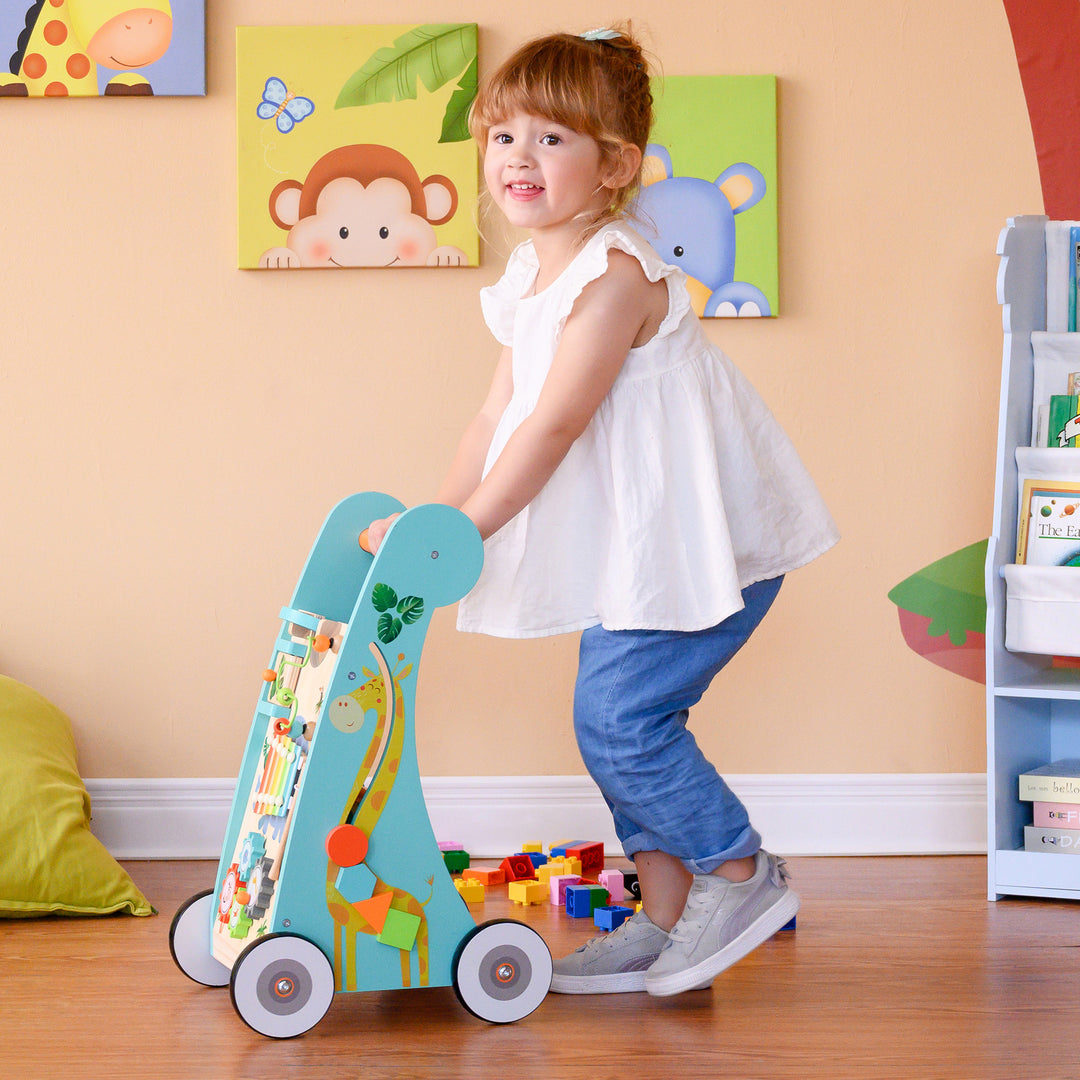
x=748 y=842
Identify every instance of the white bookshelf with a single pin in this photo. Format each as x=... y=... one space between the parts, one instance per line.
x=1032 y=709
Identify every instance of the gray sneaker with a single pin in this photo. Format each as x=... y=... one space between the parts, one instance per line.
x=613 y=963
x=722 y=922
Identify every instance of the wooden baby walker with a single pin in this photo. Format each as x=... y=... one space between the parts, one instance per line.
x=330 y=877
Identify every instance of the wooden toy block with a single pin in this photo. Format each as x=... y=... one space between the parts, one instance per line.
x=526 y=892
x=559 y=884
x=472 y=892
x=612 y=880
x=399 y=930
x=611 y=917
x=518 y=868
x=486 y=875
x=456 y=861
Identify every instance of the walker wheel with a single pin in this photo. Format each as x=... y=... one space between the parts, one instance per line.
x=189 y=940
x=282 y=985
x=502 y=971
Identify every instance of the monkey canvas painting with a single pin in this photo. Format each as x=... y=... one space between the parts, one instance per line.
x=352 y=146
x=87 y=48
x=708 y=202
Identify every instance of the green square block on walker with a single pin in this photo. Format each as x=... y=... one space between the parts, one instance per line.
x=399 y=930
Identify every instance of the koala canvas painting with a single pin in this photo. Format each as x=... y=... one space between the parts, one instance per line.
x=709 y=201
x=352 y=146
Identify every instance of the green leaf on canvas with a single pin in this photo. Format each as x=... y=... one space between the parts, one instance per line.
x=434 y=53
x=455 y=125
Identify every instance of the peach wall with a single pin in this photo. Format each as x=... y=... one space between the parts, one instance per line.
x=174 y=430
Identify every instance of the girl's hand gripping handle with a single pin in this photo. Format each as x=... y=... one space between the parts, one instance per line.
x=372 y=537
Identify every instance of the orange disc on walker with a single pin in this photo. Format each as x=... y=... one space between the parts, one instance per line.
x=346 y=845
x=320 y=643
x=364 y=540
x=269 y=675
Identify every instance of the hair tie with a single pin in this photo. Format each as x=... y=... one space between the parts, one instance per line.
x=601 y=33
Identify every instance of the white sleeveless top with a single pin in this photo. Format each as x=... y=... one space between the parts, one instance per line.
x=682 y=490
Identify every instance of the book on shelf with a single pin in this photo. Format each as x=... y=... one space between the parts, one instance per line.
x=1052 y=841
x=1063 y=423
x=1057 y=782
x=1048 y=529
x=1054 y=815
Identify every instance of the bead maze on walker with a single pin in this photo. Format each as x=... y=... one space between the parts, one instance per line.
x=330 y=876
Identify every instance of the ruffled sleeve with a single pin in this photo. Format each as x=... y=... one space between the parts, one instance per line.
x=593 y=262
x=498 y=302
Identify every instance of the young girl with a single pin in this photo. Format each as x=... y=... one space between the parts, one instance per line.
x=630 y=484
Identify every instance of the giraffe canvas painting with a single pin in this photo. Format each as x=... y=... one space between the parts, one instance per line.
x=91 y=48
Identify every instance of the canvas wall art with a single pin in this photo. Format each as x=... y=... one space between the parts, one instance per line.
x=709 y=200
x=87 y=48
x=353 y=148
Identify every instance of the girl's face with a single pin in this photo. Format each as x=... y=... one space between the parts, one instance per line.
x=542 y=175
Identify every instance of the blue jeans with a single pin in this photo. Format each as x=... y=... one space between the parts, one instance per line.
x=631 y=703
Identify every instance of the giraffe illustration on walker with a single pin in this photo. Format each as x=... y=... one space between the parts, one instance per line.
x=363 y=806
x=64 y=42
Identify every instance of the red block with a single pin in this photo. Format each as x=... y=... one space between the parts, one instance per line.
x=591 y=856
x=518 y=868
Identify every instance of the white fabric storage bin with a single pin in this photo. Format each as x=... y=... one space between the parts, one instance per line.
x=1042 y=609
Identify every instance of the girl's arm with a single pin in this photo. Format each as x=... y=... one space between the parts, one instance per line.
x=618 y=310
x=467 y=466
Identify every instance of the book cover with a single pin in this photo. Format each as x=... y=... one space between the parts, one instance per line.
x=1052 y=815
x=1057 y=782
x=1048 y=529
x=1064 y=424
x=1074 y=273
x=1052 y=841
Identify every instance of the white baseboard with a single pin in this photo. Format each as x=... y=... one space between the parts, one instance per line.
x=806 y=814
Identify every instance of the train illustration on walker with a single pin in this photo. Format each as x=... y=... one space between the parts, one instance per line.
x=330 y=878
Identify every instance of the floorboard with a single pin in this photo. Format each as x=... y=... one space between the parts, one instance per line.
x=899 y=968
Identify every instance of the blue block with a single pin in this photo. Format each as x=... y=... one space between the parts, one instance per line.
x=579 y=901
x=535 y=857
x=611 y=917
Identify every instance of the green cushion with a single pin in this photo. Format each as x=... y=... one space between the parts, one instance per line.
x=50 y=862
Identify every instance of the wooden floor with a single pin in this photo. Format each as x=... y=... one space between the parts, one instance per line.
x=899 y=968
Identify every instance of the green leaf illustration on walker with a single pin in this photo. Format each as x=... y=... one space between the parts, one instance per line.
x=385 y=600
x=434 y=54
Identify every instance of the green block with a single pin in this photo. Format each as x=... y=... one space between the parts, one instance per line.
x=400 y=929
x=456 y=861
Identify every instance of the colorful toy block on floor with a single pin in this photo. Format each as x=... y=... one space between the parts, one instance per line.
x=456 y=861
x=612 y=880
x=472 y=892
x=591 y=856
x=527 y=892
x=583 y=900
x=537 y=858
x=518 y=868
x=611 y=917
x=486 y=875
x=631 y=884
x=558 y=884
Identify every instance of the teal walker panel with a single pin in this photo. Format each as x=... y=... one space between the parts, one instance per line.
x=328 y=836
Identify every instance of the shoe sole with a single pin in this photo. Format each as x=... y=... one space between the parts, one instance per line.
x=703 y=973
x=626 y=982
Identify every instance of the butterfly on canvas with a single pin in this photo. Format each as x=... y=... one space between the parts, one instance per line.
x=285 y=108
